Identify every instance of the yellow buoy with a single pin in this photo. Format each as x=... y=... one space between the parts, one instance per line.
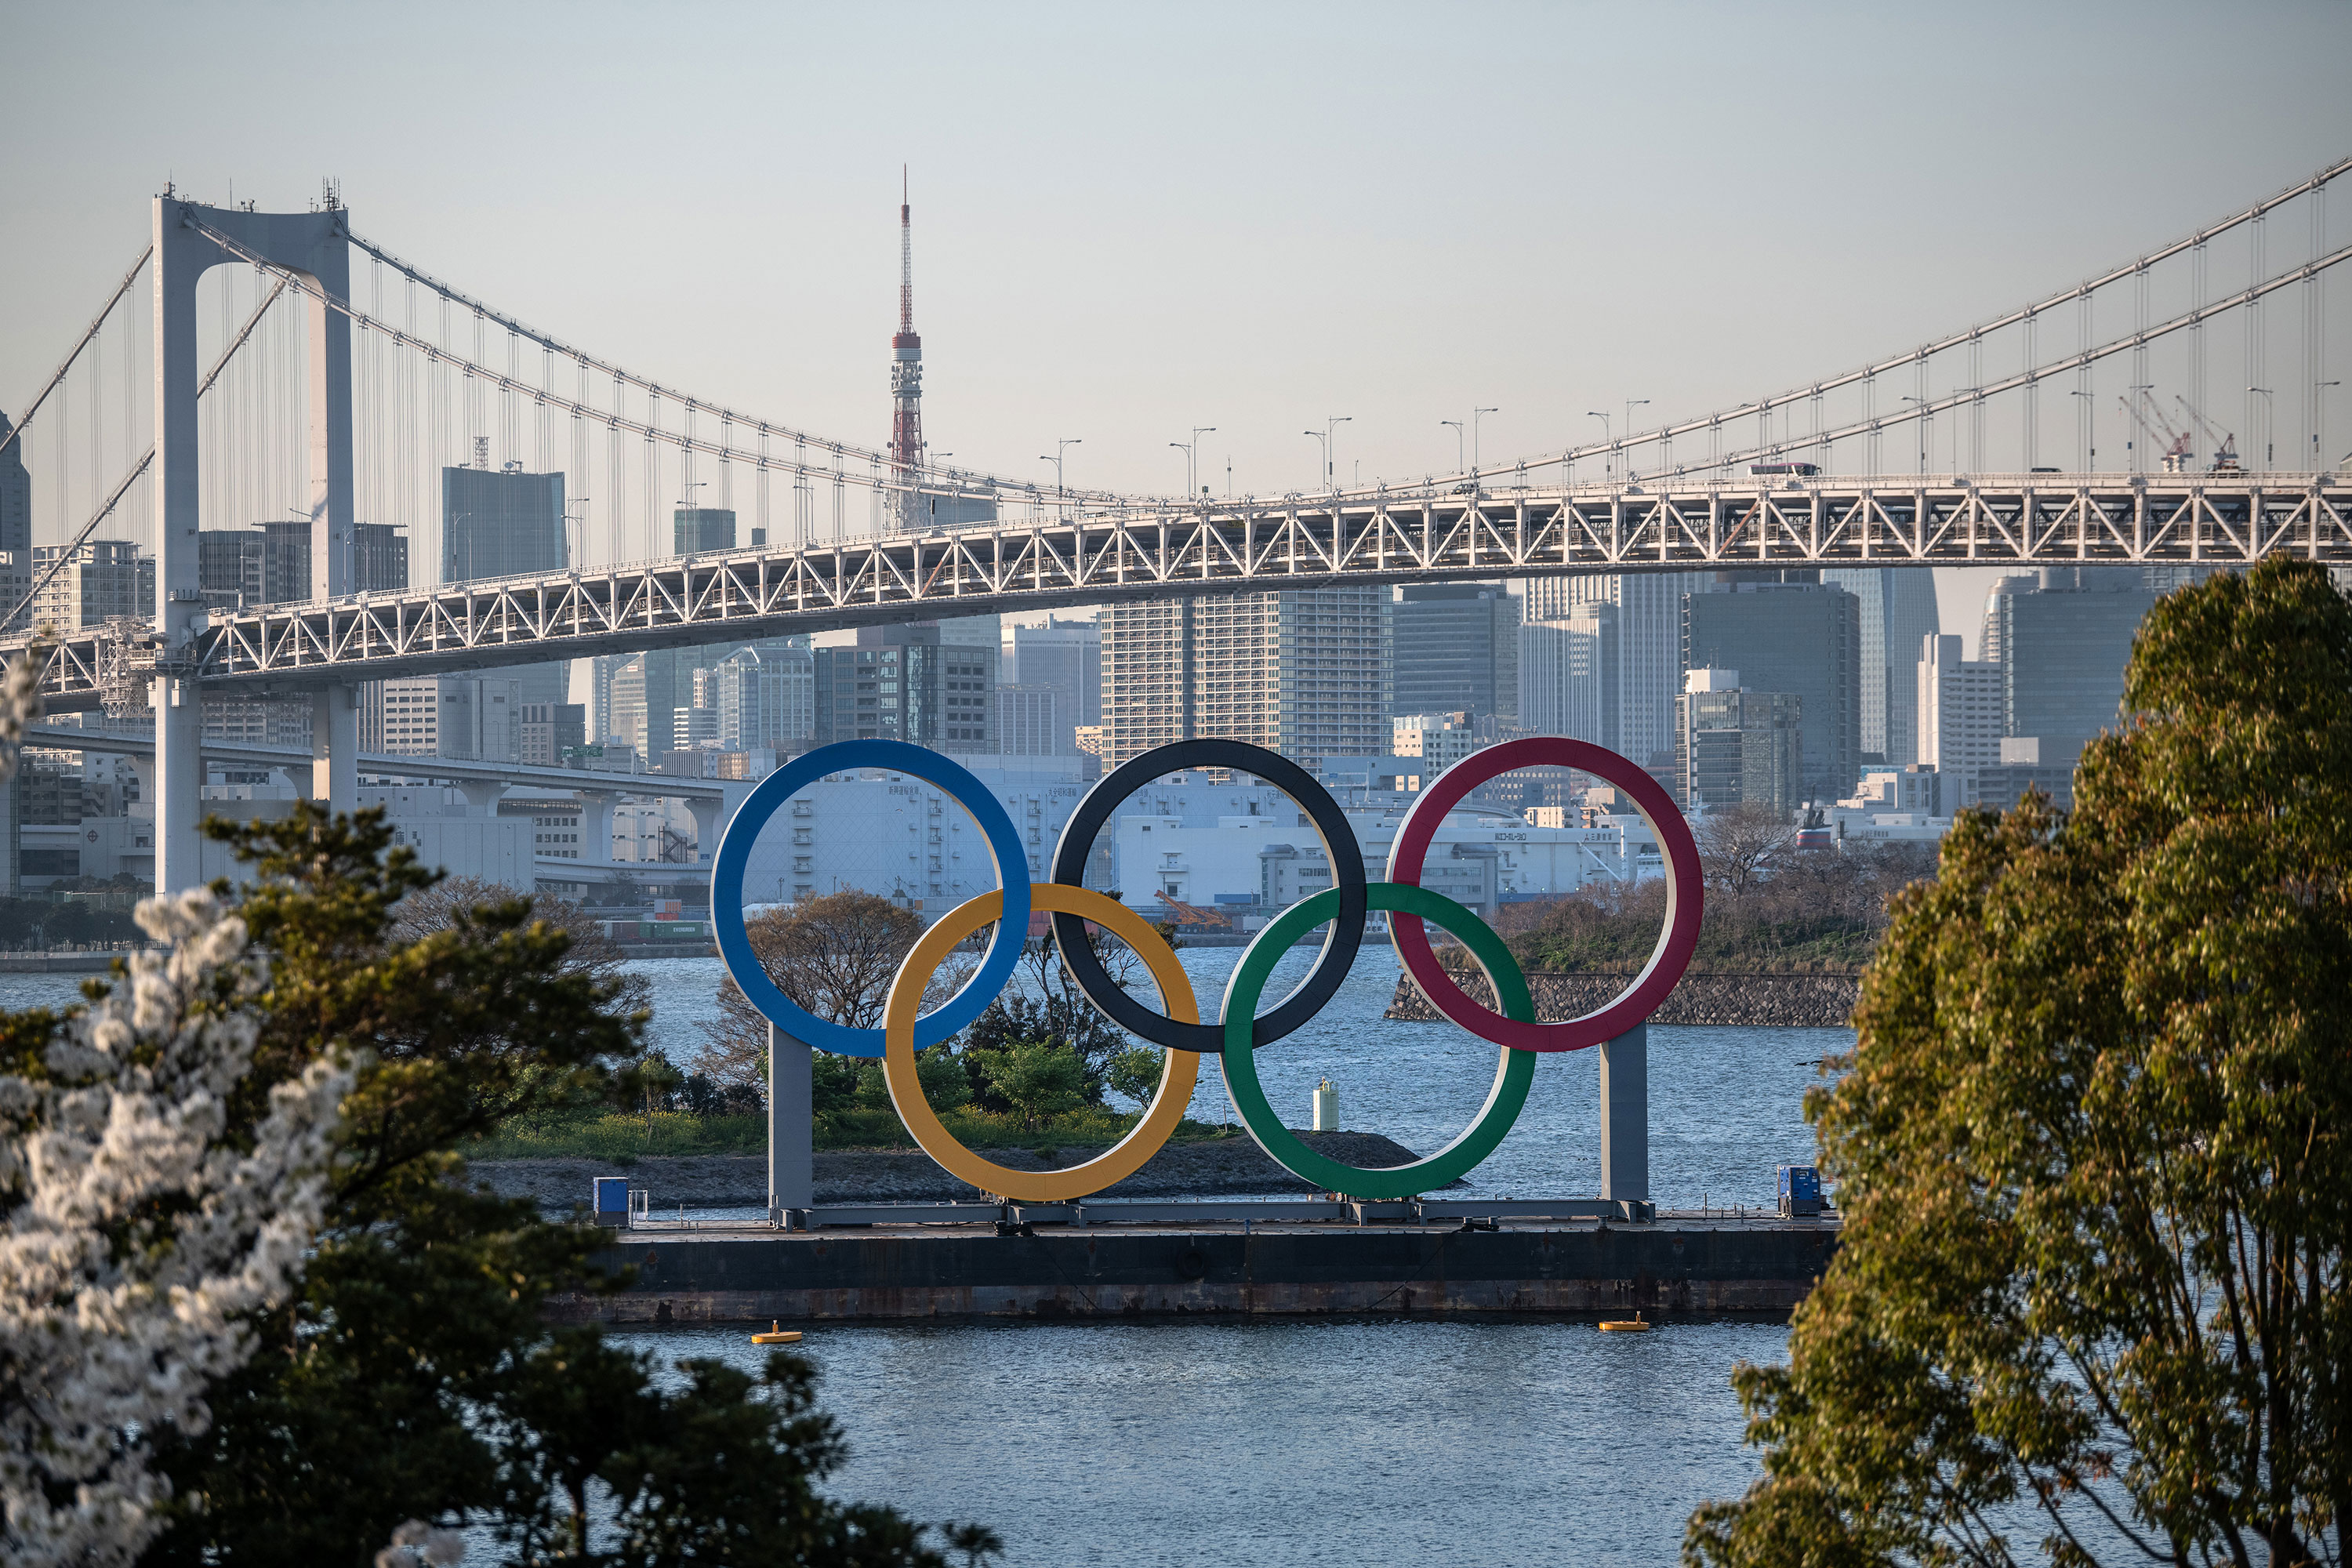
x=1632 y=1325
x=777 y=1334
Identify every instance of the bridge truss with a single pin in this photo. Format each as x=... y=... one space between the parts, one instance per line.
x=2018 y=521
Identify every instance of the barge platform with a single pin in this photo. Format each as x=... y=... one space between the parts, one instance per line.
x=1063 y=1263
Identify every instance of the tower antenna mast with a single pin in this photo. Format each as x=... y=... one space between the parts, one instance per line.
x=906 y=373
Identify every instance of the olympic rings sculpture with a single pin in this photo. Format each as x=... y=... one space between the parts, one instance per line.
x=1240 y=1030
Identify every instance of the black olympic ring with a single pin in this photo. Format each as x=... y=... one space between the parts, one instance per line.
x=1339 y=945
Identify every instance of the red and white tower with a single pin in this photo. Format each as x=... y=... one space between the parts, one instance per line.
x=906 y=374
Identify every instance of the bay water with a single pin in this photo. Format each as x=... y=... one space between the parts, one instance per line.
x=1326 y=1441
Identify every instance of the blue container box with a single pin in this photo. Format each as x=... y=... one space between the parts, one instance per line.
x=1801 y=1190
x=612 y=1200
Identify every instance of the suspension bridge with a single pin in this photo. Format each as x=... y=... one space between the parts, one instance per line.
x=290 y=368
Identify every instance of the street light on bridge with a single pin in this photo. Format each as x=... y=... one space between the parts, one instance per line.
x=1608 y=437
x=1061 y=447
x=2090 y=429
x=1475 y=416
x=1461 y=457
x=1191 y=450
x=1630 y=404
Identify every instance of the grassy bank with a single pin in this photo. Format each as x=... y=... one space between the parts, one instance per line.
x=623 y=1138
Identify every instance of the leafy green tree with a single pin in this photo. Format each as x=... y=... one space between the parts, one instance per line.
x=1037 y=1079
x=2090 y=1300
x=1135 y=1073
x=415 y=1377
x=1050 y=1008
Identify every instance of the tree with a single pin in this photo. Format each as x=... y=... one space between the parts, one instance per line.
x=2092 y=1149
x=411 y=1376
x=454 y=901
x=140 y=1223
x=1741 y=846
x=142 y=1229
x=833 y=956
x=1037 y=1079
x=1135 y=1073
x=1051 y=1008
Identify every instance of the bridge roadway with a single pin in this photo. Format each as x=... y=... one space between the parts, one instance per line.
x=1664 y=524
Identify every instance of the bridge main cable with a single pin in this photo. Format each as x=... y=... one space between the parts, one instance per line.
x=1951 y=340
x=605 y=367
x=83 y=342
x=114 y=496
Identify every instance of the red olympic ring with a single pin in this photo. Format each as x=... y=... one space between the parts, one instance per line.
x=1676 y=941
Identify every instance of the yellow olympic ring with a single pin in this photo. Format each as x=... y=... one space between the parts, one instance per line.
x=1116 y=1163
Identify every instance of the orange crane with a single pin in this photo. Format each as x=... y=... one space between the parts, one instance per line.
x=1184 y=914
x=2225 y=447
x=2178 y=453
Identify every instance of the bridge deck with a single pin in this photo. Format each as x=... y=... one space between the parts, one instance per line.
x=1666 y=524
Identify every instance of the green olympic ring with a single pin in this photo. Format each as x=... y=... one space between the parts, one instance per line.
x=1513 y=1075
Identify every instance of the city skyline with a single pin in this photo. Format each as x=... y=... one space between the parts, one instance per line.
x=1528 y=307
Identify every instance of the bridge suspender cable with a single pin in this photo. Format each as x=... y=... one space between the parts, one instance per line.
x=1961 y=339
x=653 y=388
x=114 y=498
x=1969 y=394
x=84 y=340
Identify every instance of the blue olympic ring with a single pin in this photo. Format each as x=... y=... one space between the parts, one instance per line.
x=735 y=853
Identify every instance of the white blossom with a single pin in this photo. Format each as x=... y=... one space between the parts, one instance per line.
x=137 y=1237
x=419 y=1542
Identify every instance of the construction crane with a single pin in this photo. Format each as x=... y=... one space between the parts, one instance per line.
x=2225 y=447
x=1184 y=914
x=2178 y=455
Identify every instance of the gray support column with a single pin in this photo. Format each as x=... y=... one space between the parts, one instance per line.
x=596 y=823
x=1625 y=1115
x=707 y=815
x=180 y=256
x=481 y=794
x=335 y=749
x=792 y=1159
x=316 y=245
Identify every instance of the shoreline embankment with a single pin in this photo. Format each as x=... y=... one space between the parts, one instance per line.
x=1740 y=1001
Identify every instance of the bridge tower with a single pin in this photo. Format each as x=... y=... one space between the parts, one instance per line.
x=314 y=246
x=905 y=372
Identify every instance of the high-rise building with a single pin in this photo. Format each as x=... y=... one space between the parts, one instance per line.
x=1066 y=655
x=549 y=731
x=1988 y=632
x=1454 y=648
x=1801 y=638
x=1736 y=747
x=1568 y=682
x=1961 y=715
x=765 y=696
x=696 y=528
x=403 y=717
x=1649 y=649
x=102 y=580
x=1440 y=740
x=503 y=524
x=1304 y=672
x=1029 y=724
x=479 y=718
x=905 y=683
x=1898 y=609
x=16 y=526
x=379 y=558
x=2064 y=641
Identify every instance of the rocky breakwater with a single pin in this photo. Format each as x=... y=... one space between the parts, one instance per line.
x=1751 y=1000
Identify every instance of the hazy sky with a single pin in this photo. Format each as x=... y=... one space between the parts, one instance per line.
x=1132 y=220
